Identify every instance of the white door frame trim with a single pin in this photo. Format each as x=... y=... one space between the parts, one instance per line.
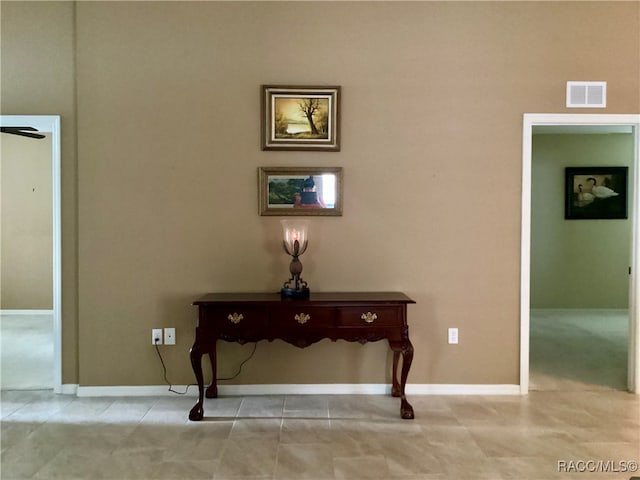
x=50 y=124
x=535 y=119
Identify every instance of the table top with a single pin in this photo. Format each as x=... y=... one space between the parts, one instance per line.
x=342 y=298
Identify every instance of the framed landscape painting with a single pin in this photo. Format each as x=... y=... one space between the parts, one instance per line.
x=300 y=190
x=300 y=118
x=596 y=193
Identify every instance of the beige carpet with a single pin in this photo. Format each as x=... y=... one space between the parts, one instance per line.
x=26 y=355
x=578 y=349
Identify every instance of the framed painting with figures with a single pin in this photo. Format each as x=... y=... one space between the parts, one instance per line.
x=596 y=193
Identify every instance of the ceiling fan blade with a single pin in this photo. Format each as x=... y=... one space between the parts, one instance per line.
x=22 y=131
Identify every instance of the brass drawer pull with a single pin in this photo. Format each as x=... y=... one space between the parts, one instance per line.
x=302 y=318
x=236 y=317
x=369 y=317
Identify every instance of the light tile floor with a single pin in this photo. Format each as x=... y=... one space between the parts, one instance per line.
x=47 y=436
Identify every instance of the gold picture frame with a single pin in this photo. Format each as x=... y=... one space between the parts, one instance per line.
x=302 y=191
x=300 y=118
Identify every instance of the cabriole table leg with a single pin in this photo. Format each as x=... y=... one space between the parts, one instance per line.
x=197 y=412
x=406 y=410
x=395 y=385
x=212 y=390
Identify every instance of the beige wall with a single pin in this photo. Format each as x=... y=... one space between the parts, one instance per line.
x=577 y=263
x=433 y=97
x=26 y=266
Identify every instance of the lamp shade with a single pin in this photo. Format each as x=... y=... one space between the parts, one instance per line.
x=294 y=229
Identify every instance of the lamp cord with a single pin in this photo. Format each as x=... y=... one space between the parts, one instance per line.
x=164 y=370
x=164 y=373
x=255 y=345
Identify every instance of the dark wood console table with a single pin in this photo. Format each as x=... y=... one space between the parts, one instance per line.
x=250 y=317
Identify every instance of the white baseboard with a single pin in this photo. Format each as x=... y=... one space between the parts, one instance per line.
x=297 y=389
x=67 y=389
x=461 y=389
x=307 y=389
x=578 y=310
x=134 y=391
x=26 y=312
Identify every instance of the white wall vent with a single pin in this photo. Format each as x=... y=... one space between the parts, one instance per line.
x=586 y=94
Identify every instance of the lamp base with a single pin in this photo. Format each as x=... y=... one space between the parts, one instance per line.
x=299 y=294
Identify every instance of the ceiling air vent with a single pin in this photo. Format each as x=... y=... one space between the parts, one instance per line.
x=586 y=94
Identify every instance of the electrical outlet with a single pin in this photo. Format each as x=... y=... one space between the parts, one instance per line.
x=156 y=336
x=453 y=336
x=169 y=336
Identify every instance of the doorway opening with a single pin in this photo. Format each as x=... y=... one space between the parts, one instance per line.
x=579 y=265
x=50 y=126
x=532 y=121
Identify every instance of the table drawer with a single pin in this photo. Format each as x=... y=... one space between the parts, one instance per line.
x=370 y=316
x=225 y=318
x=308 y=317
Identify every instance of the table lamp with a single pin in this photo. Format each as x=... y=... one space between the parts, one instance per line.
x=295 y=244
